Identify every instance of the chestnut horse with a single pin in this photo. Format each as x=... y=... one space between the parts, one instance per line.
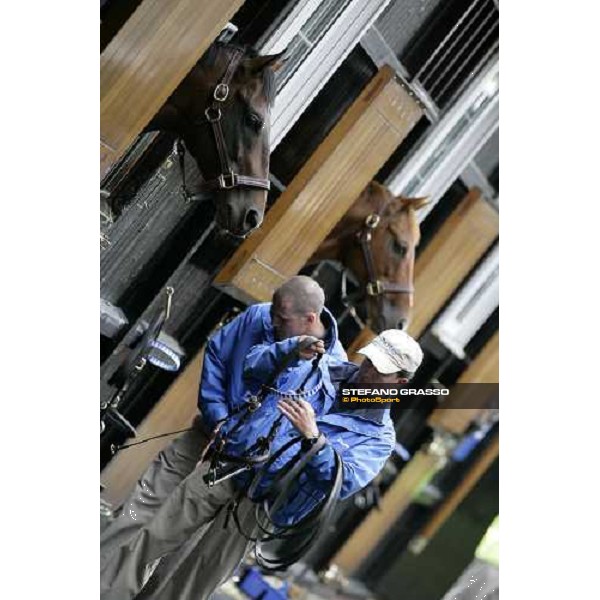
x=376 y=240
x=221 y=111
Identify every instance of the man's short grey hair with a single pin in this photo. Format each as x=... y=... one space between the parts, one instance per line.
x=306 y=294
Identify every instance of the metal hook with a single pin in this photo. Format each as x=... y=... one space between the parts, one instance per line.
x=170 y=291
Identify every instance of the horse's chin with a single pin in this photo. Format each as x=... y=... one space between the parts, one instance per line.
x=379 y=323
x=228 y=237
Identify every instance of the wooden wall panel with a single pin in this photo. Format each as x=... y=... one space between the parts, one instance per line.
x=484 y=369
x=146 y=61
x=452 y=253
x=323 y=190
x=175 y=411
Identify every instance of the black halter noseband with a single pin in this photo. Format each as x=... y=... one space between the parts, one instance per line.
x=376 y=287
x=228 y=178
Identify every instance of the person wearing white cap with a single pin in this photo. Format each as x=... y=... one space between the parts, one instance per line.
x=392 y=357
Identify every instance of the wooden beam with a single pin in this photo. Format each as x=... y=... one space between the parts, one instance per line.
x=456 y=248
x=146 y=61
x=458 y=494
x=362 y=339
x=373 y=529
x=324 y=189
x=484 y=369
x=175 y=411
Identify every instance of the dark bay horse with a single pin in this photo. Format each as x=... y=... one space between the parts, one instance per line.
x=376 y=240
x=221 y=111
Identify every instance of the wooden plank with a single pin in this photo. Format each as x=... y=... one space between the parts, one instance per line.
x=456 y=248
x=458 y=494
x=324 y=189
x=484 y=369
x=146 y=61
x=371 y=531
x=175 y=411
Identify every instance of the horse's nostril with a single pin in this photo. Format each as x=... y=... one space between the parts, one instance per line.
x=402 y=323
x=252 y=219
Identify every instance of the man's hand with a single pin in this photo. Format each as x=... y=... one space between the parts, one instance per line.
x=301 y=415
x=309 y=351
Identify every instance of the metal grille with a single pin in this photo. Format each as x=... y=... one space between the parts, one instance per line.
x=310 y=34
x=469 y=43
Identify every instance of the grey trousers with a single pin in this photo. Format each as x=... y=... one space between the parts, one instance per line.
x=192 y=509
x=171 y=466
x=206 y=561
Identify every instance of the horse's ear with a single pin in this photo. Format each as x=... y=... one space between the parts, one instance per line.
x=271 y=61
x=415 y=203
x=375 y=186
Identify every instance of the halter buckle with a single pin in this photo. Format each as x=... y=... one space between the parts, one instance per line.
x=212 y=114
x=372 y=220
x=374 y=288
x=227 y=181
x=221 y=92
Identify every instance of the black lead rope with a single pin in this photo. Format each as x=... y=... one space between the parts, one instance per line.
x=270 y=550
x=115 y=447
x=262 y=445
x=279 y=546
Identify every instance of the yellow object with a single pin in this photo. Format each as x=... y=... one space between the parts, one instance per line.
x=489 y=547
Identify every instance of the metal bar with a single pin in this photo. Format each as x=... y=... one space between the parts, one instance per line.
x=441 y=45
x=480 y=65
x=471 y=54
x=454 y=42
x=278 y=38
x=462 y=51
x=375 y=45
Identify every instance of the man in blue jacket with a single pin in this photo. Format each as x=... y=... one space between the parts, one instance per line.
x=364 y=438
x=297 y=310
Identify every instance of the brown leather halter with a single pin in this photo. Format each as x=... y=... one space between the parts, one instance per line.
x=227 y=179
x=376 y=287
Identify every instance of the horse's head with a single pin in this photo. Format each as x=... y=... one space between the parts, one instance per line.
x=242 y=109
x=393 y=246
x=377 y=239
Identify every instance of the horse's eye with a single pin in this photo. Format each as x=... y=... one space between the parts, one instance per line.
x=399 y=248
x=255 y=122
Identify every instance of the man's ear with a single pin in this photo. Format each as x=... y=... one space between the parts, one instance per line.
x=402 y=380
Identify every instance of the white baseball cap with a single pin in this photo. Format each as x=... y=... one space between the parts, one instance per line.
x=393 y=350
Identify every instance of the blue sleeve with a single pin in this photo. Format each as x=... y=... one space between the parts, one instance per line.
x=212 y=397
x=263 y=360
x=361 y=464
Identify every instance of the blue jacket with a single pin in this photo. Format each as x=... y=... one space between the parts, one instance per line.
x=363 y=438
x=223 y=385
x=244 y=354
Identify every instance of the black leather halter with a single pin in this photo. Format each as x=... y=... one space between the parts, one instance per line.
x=376 y=287
x=228 y=178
